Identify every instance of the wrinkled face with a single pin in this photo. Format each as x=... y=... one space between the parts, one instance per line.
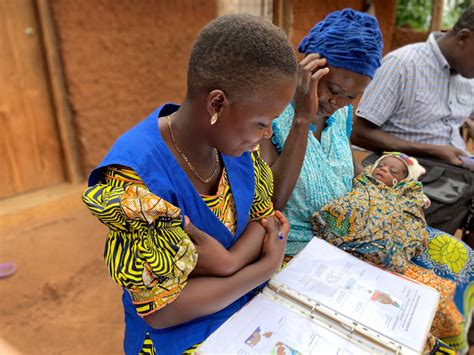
x=390 y=169
x=465 y=46
x=242 y=125
x=339 y=88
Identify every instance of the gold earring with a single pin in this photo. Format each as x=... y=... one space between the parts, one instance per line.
x=214 y=119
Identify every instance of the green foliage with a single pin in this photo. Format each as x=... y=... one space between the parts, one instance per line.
x=456 y=8
x=415 y=14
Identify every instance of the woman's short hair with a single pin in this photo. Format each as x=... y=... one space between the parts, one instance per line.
x=239 y=54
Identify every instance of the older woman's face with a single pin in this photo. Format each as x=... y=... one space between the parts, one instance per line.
x=339 y=88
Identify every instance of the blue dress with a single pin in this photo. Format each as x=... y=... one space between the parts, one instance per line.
x=143 y=150
x=326 y=174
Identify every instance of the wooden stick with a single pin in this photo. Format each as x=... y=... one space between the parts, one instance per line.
x=282 y=15
x=437 y=15
x=62 y=109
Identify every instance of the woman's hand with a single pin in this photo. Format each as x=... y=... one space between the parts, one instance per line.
x=286 y=165
x=207 y=295
x=213 y=258
x=310 y=70
x=274 y=244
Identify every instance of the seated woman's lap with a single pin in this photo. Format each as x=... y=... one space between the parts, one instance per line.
x=452 y=259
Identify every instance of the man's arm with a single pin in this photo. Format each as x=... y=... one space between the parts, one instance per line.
x=367 y=135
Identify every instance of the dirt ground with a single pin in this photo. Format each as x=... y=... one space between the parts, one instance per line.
x=61 y=299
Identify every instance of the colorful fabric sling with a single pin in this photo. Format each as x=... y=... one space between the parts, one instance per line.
x=382 y=224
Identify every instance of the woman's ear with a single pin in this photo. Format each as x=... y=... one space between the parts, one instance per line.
x=216 y=101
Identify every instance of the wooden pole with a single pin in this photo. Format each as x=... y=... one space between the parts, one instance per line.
x=62 y=109
x=437 y=15
x=282 y=15
x=225 y=7
x=278 y=13
x=370 y=7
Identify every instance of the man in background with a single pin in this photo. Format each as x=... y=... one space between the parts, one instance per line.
x=420 y=98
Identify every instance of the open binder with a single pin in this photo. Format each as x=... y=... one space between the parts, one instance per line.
x=326 y=301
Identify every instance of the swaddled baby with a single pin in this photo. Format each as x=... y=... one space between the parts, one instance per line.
x=381 y=220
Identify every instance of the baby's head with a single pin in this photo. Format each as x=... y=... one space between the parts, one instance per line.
x=393 y=167
x=390 y=170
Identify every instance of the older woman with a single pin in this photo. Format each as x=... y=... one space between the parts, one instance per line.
x=312 y=162
x=180 y=188
x=310 y=157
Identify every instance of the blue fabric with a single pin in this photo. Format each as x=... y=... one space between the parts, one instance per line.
x=312 y=128
x=348 y=39
x=326 y=174
x=349 y=123
x=173 y=340
x=142 y=149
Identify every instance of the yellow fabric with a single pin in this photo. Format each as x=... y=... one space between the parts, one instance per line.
x=448 y=320
x=147 y=251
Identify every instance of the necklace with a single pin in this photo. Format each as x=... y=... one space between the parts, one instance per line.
x=185 y=158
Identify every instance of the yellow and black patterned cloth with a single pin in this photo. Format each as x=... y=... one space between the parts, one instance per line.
x=147 y=250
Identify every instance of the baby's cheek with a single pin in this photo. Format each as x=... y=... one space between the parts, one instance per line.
x=388 y=180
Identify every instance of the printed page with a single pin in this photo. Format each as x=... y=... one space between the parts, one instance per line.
x=266 y=327
x=388 y=304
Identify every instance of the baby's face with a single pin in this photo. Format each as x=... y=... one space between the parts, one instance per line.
x=389 y=169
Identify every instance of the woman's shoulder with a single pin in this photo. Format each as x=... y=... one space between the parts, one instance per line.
x=342 y=119
x=121 y=197
x=147 y=250
x=344 y=114
x=281 y=127
x=262 y=203
x=284 y=119
x=141 y=147
x=260 y=166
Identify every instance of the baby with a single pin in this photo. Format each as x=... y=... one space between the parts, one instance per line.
x=393 y=167
x=381 y=220
x=398 y=166
x=390 y=170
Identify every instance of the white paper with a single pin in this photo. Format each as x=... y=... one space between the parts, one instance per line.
x=391 y=305
x=266 y=327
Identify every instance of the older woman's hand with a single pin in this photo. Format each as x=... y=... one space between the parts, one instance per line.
x=310 y=70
